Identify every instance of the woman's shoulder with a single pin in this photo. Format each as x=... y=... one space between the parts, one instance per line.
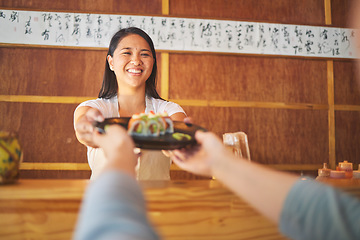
x=101 y=101
x=160 y=105
x=108 y=107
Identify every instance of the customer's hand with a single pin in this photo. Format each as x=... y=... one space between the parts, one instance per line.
x=167 y=152
x=118 y=148
x=201 y=159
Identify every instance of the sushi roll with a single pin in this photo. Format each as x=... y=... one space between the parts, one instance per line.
x=153 y=125
x=150 y=124
x=169 y=125
x=162 y=123
x=138 y=125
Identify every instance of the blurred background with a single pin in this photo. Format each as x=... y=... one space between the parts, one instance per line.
x=298 y=112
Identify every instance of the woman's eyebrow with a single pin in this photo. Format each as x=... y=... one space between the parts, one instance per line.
x=129 y=48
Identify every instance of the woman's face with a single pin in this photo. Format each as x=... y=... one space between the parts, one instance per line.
x=132 y=63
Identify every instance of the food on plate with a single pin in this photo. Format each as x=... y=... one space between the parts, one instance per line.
x=152 y=124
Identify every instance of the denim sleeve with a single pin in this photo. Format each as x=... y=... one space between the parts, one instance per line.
x=113 y=208
x=313 y=210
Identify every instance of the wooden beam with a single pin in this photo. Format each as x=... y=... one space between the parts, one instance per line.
x=331 y=114
x=165 y=76
x=54 y=166
x=281 y=167
x=331 y=98
x=327 y=6
x=250 y=104
x=165 y=7
x=184 y=102
x=165 y=59
x=42 y=99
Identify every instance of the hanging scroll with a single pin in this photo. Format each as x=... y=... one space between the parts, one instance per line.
x=178 y=34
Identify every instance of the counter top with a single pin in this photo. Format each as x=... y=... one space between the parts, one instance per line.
x=196 y=209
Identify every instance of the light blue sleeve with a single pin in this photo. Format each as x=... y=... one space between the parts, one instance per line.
x=113 y=208
x=314 y=210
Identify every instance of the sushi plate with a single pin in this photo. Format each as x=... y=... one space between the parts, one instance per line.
x=168 y=141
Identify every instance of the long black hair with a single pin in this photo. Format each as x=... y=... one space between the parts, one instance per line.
x=109 y=86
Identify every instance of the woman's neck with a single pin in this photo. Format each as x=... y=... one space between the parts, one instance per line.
x=130 y=104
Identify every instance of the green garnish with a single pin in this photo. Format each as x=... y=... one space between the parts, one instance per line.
x=181 y=136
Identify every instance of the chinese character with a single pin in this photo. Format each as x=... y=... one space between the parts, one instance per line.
x=45 y=34
x=14 y=16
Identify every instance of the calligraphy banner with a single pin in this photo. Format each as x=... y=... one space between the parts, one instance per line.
x=177 y=34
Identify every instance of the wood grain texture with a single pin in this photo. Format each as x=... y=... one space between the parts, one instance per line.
x=51 y=72
x=269 y=97
x=346 y=83
x=47 y=209
x=347 y=133
x=340 y=12
x=45 y=131
x=282 y=11
x=238 y=78
x=204 y=209
x=99 y=6
x=276 y=136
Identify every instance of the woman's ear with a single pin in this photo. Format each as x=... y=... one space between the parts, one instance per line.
x=110 y=62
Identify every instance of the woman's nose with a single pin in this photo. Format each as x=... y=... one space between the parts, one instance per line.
x=136 y=60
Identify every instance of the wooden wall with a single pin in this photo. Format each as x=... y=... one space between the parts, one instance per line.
x=298 y=112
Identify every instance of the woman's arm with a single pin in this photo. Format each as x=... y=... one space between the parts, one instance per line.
x=179 y=116
x=84 y=117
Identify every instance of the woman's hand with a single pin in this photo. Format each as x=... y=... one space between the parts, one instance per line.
x=85 y=117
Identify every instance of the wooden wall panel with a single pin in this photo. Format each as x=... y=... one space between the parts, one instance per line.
x=284 y=11
x=276 y=136
x=45 y=131
x=241 y=78
x=51 y=72
x=347 y=83
x=348 y=136
x=340 y=10
x=98 y=6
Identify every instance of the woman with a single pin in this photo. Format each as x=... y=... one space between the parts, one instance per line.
x=129 y=87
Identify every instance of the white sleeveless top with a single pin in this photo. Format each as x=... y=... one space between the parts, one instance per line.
x=153 y=165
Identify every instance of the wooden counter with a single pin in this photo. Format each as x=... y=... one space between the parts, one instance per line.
x=200 y=209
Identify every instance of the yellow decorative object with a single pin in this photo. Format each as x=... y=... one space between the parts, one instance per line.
x=10 y=157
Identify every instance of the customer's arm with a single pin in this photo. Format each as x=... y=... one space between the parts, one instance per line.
x=313 y=210
x=113 y=206
x=264 y=188
x=304 y=209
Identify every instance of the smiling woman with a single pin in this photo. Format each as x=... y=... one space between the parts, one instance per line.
x=129 y=87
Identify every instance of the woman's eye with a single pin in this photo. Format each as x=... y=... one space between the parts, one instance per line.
x=126 y=53
x=145 y=54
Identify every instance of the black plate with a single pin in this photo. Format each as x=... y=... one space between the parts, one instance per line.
x=164 y=142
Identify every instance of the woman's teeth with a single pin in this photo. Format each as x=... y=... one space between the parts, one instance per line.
x=134 y=70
